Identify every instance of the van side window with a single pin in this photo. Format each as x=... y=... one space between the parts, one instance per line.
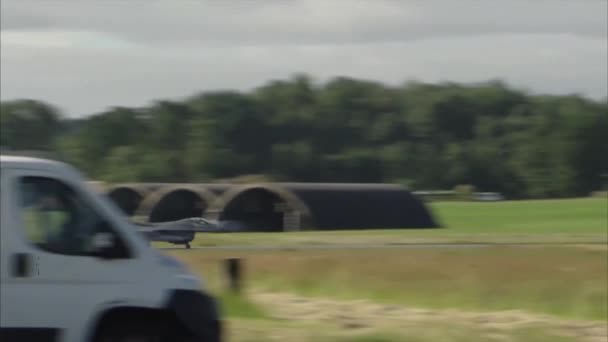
x=58 y=220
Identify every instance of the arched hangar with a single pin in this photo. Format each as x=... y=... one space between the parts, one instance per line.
x=174 y=202
x=322 y=206
x=128 y=197
x=279 y=206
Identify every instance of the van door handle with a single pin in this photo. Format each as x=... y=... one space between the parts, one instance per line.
x=22 y=265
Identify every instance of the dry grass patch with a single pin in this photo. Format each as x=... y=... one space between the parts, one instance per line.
x=569 y=282
x=365 y=316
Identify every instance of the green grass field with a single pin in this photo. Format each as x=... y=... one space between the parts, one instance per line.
x=542 y=221
x=567 y=216
x=495 y=293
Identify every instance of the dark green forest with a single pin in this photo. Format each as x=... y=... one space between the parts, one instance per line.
x=426 y=136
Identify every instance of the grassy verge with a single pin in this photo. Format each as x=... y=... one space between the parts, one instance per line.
x=547 y=221
x=236 y=306
x=567 y=282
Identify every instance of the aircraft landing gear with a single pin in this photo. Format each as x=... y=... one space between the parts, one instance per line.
x=188 y=245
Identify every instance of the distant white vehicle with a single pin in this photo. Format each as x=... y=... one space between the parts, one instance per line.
x=488 y=196
x=73 y=269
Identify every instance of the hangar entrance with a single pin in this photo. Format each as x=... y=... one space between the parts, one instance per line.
x=260 y=210
x=177 y=205
x=126 y=199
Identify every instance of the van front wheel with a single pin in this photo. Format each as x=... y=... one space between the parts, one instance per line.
x=129 y=335
x=135 y=337
x=131 y=328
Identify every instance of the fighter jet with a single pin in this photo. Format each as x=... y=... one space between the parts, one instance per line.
x=181 y=232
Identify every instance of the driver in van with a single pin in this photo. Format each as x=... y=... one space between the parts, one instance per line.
x=51 y=223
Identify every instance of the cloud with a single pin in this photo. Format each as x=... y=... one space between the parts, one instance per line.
x=64 y=39
x=307 y=21
x=87 y=56
x=88 y=80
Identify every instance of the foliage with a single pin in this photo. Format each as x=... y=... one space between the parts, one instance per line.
x=488 y=135
x=239 y=306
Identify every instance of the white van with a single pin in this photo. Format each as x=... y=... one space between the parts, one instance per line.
x=74 y=269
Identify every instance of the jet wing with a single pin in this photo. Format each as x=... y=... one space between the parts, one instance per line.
x=180 y=231
x=198 y=225
x=167 y=235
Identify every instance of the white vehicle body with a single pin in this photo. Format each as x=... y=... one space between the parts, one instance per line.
x=55 y=294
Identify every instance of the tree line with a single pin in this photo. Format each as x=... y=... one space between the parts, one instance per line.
x=426 y=136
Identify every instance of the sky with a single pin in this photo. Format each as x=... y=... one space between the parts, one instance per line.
x=85 y=56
